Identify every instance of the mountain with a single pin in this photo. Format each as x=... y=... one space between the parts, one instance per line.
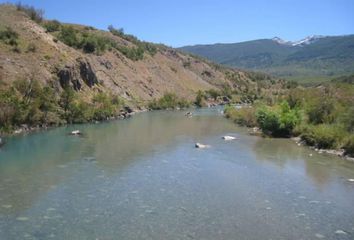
x=125 y=65
x=315 y=57
x=303 y=42
x=53 y=72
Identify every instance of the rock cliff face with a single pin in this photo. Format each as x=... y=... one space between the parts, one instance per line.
x=42 y=55
x=76 y=75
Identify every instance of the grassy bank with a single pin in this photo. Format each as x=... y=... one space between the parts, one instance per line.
x=168 y=101
x=323 y=116
x=29 y=104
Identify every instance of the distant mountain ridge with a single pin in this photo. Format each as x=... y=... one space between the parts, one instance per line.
x=314 y=57
x=306 y=41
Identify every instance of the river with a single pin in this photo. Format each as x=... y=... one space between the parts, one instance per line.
x=142 y=178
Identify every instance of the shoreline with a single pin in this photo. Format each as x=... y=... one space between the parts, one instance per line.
x=255 y=131
x=337 y=152
x=25 y=129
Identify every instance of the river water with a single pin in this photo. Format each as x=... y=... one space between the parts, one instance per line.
x=142 y=178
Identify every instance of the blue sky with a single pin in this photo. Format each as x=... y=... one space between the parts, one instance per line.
x=188 y=22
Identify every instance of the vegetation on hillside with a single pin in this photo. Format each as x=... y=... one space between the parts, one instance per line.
x=141 y=45
x=87 y=39
x=91 y=41
x=9 y=36
x=321 y=116
x=35 y=14
x=168 y=101
x=30 y=103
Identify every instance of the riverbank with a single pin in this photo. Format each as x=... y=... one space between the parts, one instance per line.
x=26 y=129
x=336 y=152
x=280 y=121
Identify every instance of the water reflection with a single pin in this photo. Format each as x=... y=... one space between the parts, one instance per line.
x=32 y=165
x=284 y=153
x=142 y=178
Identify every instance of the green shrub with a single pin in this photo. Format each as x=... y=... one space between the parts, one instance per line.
x=10 y=110
x=213 y=93
x=141 y=45
x=52 y=26
x=148 y=47
x=183 y=103
x=68 y=36
x=168 y=101
x=66 y=99
x=35 y=14
x=326 y=136
x=27 y=102
x=133 y=53
x=347 y=118
x=117 y=32
x=103 y=106
x=278 y=121
x=289 y=118
x=9 y=36
x=244 y=116
x=89 y=45
x=349 y=146
x=199 y=100
x=320 y=110
x=80 y=112
x=268 y=120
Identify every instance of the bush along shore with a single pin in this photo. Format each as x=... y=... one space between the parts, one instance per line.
x=28 y=106
x=321 y=117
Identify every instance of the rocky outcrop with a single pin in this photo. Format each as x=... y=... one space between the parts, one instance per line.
x=68 y=77
x=87 y=74
x=76 y=75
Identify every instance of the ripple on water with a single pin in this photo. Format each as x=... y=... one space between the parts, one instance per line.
x=340 y=232
x=6 y=206
x=320 y=236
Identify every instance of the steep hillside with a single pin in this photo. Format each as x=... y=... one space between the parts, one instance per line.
x=52 y=60
x=315 y=57
x=83 y=71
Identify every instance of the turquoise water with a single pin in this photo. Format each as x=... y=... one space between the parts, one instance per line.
x=142 y=178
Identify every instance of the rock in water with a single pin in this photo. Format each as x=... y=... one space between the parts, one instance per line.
x=76 y=133
x=188 y=114
x=199 y=145
x=228 y=138
x=341 y=232
x=317 y=235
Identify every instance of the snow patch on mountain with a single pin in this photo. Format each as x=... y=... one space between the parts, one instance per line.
x=303 y=42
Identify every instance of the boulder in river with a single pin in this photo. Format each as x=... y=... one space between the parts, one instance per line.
x=199 y=145
x=228 y=138
x=188 y=114
x=75 y=133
